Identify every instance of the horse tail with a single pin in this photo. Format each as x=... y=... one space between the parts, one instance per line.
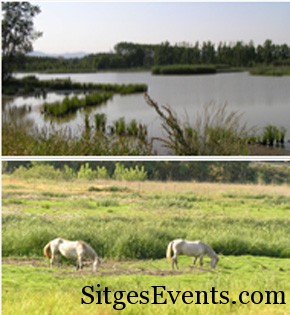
x=169 y=249
x=47 y=250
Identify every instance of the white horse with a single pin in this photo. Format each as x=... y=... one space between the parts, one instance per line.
x=71 y=249
x=197 y=249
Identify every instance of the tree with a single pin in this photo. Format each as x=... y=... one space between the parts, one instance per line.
x=17 y=33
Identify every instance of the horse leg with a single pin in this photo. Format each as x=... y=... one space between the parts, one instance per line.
x=79 y=262
x=57 y=258
x=194 y=260
x=51 y=261
x=174 y=261
x=54 y=258
x=201 y=261
x=95 y=264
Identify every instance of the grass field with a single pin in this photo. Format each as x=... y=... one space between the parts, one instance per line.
x=130 y=225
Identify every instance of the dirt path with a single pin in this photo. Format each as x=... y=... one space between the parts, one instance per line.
x=107 y=268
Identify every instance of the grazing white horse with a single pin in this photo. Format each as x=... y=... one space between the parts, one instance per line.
x=71 y=249
x=197 y=249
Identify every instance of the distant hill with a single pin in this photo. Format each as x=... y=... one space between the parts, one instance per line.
x=64 y=55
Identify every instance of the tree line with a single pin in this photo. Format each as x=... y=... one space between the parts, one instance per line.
x=18 y=35
x=133 y=55
x=199 y=171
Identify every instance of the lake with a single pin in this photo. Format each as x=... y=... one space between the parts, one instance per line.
x=262 y=100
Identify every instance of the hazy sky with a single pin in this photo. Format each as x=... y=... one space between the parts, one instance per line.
x=97 y=26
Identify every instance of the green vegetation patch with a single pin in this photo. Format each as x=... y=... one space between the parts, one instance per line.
x=184 y=69
x=108 y=189
x=32 y=85
x=59 y=291
x=71 y=105
x=271 y=71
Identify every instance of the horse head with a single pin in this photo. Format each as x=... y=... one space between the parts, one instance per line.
x=214 y=261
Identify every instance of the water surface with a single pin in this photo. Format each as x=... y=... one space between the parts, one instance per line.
x=261 y=100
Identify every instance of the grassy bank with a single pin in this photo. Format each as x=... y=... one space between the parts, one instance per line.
x=271 y=71
x=247 y=225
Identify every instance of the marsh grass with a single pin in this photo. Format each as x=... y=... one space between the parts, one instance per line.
x=71 y=105
x=32 y=85
x=22 y=138
x=184 y=69
x=99 y=216
x=214 y=132
x=273 y=135
x=270 y=70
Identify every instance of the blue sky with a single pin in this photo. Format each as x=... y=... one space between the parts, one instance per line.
x=97 y=26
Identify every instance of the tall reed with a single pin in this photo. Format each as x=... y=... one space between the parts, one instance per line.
x=214 y=132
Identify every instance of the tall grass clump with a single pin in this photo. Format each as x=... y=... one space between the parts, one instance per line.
x=100 y=122
x=273 y=135
x=24 y=236
x=131 y=129
x=216 y=132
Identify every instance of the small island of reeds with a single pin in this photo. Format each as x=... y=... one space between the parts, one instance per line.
x=183 y=69
x=32 y=85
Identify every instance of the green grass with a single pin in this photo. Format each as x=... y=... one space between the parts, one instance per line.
x=129 y=225
x=59 y=291
x=262 y=218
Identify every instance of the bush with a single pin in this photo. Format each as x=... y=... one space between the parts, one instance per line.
x=129 y=174
x=38 y=171
x=68 y=173
x=85 y=172
x=102 y=173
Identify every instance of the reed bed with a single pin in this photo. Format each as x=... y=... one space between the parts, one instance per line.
x=71 y=105
x=183 y=69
